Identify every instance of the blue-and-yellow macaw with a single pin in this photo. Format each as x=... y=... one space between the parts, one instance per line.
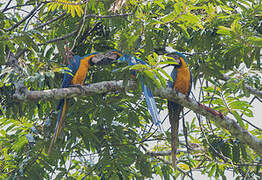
x=76 y=74
x=182 y=82
x=151 y=104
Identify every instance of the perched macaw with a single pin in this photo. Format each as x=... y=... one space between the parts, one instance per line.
x=76 y=75
x=151 y=104
x=182 y=82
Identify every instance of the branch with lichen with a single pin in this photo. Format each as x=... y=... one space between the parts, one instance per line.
x=23 y=94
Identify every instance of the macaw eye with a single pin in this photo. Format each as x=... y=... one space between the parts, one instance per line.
x=95 y=60
x=177 y=60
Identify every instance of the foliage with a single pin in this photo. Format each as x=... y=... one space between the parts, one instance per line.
x=71 y=7
x=108 y=136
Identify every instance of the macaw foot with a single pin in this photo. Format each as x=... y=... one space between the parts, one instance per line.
x=78 y=86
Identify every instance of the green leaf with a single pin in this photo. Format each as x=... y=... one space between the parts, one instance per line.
x=224 y=30
x=159 y=3
x=235 y=153
x=212 y=170
x=243 y=151
x=152 y=76
x=168 y=18
x=166 y=74
x=159 y=76
x=257 y=41
x=239 y=118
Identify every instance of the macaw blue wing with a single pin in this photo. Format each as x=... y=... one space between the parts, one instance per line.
x=170 y=84
x=71 y=71
x=151 y=104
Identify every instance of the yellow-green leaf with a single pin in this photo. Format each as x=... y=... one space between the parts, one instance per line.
x=73 y=11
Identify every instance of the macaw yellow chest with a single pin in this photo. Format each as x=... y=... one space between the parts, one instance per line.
x=183 y=81
x=81 y=73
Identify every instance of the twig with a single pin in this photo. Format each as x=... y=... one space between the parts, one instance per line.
x=19 y=5
x=65 y=3
x=252 y=100
x=74 y=32
x=108 y=16
x=260 y=100
x=29 y=19
x=25 y=18
x=6 y=6
x=254 y=126
x=49 y=22
x=59 y=38
x=81 y=27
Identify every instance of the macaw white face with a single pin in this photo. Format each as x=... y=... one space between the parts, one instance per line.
x=97 y=58
x=176 y=59
x=102 y=59
x=113 y=56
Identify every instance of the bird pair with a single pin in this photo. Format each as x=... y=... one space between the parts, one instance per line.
x=182 y=82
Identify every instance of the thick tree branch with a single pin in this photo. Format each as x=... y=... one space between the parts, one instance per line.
x=23 y=94
x=108 y=86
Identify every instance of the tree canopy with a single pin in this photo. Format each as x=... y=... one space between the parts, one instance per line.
x=109 y=134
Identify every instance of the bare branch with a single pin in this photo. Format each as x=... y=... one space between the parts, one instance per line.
x=19 y=5
x=59 y=38
x=51 y=21
x=26 y=17
x=108 y=16
x=3 y=10
x=75 y=32
x=80 y=29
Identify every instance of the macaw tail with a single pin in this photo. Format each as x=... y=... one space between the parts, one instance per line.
x=59 y=123
x=174 y=111
x=151 y=104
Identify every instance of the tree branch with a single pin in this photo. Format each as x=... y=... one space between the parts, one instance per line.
x=16 y=6
x=51 y=21
x=59 y=38
x=23 y=94
x=74 y=32
x=6 y=6
x=251 y=90
x=220 y=120
x=108 y=16
x=25 y=18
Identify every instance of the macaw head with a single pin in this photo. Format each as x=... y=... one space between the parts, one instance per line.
x=107 y=58
x=178 y=58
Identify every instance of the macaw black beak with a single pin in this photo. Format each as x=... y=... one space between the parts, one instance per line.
x=105 y=59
